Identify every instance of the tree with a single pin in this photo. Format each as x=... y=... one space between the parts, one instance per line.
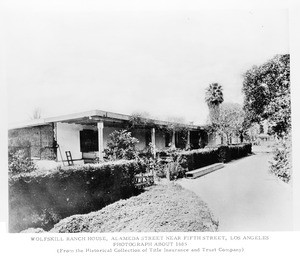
x=121 y=145
x=267 y=94
x=253 y=131
x=230 y=121
x=213 y=98
x=267 y=98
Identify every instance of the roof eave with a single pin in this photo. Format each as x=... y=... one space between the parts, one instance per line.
x=95 y=115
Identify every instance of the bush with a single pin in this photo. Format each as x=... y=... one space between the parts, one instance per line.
x=40 y=199
x=160 y=167
x=121 y=145
x=175 y=169
x=281 y=165
x=19 y=162
x=170 y=164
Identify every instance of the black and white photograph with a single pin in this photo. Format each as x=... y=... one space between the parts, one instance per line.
x=134 y=122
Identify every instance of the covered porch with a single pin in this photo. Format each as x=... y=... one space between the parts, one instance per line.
x=86 y=136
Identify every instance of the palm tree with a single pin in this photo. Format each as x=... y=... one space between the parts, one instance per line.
x=214 y=94
x=213 y=98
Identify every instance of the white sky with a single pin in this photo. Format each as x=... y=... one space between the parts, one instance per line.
x=73 y=58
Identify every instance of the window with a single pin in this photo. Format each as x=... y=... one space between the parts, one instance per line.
x=88 y=140
x=147 y=137
x=167 y=139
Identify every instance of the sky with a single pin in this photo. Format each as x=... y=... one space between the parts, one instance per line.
x=66 y=60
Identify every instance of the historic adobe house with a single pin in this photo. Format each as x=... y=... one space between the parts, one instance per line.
x=86 y=135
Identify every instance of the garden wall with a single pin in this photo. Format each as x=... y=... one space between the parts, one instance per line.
x=41 y=199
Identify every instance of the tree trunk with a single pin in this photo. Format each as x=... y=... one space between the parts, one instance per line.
x=227 y=139
x=214 y=113
x=241 y=137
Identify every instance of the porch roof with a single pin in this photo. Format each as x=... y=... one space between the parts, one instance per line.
x=94 y=116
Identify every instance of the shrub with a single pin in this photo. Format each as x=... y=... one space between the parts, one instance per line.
x=121 y=145
x=230 y=152
x=194 y=159
x=281 y=165
x=174 y=169
x=170 y=164
x=19 y=162
x=146 y=157
x=198 y=158
x=41 y=198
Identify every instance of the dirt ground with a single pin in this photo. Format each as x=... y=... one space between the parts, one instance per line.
x=161 y=208
x=244 y=196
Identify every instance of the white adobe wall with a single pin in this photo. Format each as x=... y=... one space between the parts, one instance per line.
x=160 y=141
x=67 y=136
x=213 y=139
x=235 y=140
x=216 y=139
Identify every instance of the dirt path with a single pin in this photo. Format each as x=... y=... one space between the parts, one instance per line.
x=244 y=197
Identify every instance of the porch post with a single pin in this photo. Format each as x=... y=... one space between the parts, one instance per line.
x=188 y=141
x=100 y=126
x=153 y=141
x=173 y=139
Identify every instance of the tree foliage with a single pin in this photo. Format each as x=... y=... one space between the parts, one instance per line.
x=214 y=94
x=267 y=94
x=121 y=145
x=141 y=120
x=229 y=122
x=253 y=131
